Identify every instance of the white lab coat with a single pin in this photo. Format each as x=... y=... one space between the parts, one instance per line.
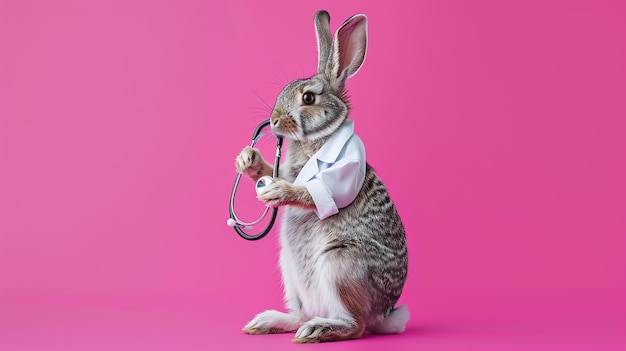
x=335 y=173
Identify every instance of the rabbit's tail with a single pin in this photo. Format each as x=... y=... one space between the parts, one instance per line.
x=394 y=323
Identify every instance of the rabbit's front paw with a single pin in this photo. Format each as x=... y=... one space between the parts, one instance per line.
x=249 y=162
x=279 y=192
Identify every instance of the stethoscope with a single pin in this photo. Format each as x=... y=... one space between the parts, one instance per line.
x=260 y=185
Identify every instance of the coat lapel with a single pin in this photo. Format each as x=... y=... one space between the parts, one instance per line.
x=328 y=153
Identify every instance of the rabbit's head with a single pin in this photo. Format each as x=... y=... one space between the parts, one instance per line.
x=312 y=109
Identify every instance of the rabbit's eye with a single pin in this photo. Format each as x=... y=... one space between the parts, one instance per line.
x=308 y=98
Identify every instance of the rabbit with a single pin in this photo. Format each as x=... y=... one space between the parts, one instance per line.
x=343 y=255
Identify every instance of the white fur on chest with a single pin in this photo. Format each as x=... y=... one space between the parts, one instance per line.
x=309 y=275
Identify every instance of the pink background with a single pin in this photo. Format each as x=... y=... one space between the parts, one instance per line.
x=498 y=126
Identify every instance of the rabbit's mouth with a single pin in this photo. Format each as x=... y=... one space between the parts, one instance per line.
x=284 y=125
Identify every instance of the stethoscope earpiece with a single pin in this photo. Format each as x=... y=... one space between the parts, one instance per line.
x=260 y=186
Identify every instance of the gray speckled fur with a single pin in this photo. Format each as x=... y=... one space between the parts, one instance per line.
x=342 y=274
x=367 y=235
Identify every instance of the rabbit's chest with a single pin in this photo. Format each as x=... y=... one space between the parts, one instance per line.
x=304 y=235
x=293 y=170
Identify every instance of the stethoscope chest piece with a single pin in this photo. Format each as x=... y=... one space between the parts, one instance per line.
x=262 y=183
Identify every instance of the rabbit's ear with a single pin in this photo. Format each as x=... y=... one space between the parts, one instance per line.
x=324 y=39
x=348 y=50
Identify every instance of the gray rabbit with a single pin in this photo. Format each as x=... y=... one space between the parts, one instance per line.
x=343 y=251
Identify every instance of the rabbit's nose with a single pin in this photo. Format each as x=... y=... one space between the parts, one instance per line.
x=275 y=117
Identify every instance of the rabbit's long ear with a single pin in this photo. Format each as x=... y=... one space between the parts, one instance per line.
x=348 y=51
x=324 y=39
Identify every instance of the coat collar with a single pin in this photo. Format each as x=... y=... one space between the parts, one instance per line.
x=328 y=153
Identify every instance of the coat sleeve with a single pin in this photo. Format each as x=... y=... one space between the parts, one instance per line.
x=337 y=186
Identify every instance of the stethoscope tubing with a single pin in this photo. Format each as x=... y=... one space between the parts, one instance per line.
x=239 y=224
